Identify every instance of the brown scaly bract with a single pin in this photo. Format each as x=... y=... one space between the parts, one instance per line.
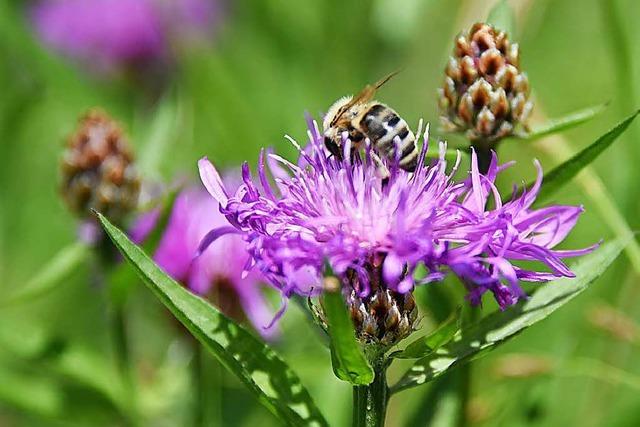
x=384 y=317
x=484 y=94
x=98 y=170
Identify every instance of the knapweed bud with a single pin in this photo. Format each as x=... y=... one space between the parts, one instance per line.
x=484 y=94
x=614 y=323
x=522 y=366
x=384 y=317
x=98 y=170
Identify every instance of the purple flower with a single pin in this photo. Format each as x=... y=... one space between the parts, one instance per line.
x=109 y=35
x=330 y=216
x=218 y=271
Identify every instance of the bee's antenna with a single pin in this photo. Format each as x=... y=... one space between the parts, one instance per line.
x=382 y=81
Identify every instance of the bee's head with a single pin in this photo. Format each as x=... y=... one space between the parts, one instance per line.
x=335 y=111
x=333 y=146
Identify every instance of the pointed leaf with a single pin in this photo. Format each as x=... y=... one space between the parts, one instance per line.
x=52 y=275
x=502 y=17
x=563 y=173
x=349 y=364
x=256 y=364
x=500 y=326
x=563 y=123
x=427 y=344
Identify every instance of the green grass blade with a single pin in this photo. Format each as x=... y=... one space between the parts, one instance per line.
x=51 y=276
x=563 y=123
x=256 y=364
x=563 y=173
x=500 y=326
x=348 y=361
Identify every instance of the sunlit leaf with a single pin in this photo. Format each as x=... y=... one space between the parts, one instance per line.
x=349 y=363
x=256 y=364
x=563 y=173
x=52 y=274
x=560 y=124
x=500 y=326
x=502 y=17
x=427 y=344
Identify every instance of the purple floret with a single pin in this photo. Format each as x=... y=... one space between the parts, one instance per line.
x=325 y=216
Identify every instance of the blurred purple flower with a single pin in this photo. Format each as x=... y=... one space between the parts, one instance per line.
x=217 y=272
x=325 y=212
x=109 y=35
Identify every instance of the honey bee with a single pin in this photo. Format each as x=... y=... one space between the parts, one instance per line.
x=361 y=117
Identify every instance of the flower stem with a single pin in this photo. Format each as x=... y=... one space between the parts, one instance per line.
x=465 y=372
x=206 y=377
x=118 y=324
x=370 y=401
x=123 y=360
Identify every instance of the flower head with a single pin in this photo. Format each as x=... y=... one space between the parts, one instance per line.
x=330 y=216
x=109 y=35
x=98 y=169
x=484 y=92
x=217 y=272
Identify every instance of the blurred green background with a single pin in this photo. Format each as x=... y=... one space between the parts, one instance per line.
x=269 y=63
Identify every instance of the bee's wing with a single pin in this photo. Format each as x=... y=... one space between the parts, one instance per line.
x=369 y=91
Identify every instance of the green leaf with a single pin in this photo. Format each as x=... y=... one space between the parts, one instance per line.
x=162 y=132
x=502 y=17
x=427 y=344
x=52 y=275
x=348 y=361
x=256 y=364
x=500 y=326
x=563 y=123
x=563 y=173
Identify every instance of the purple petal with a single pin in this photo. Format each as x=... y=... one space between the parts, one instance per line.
x=212 y=181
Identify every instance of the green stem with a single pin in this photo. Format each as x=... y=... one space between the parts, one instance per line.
x=370 y=401
x=465 y=372
x=200 y=385
x=123 y=360
x=206 y=377
x=464 y=394
x=483 y=151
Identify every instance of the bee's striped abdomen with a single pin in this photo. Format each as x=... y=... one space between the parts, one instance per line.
x=381 y=125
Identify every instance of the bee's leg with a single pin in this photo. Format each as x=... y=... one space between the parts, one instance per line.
x=383 y=171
